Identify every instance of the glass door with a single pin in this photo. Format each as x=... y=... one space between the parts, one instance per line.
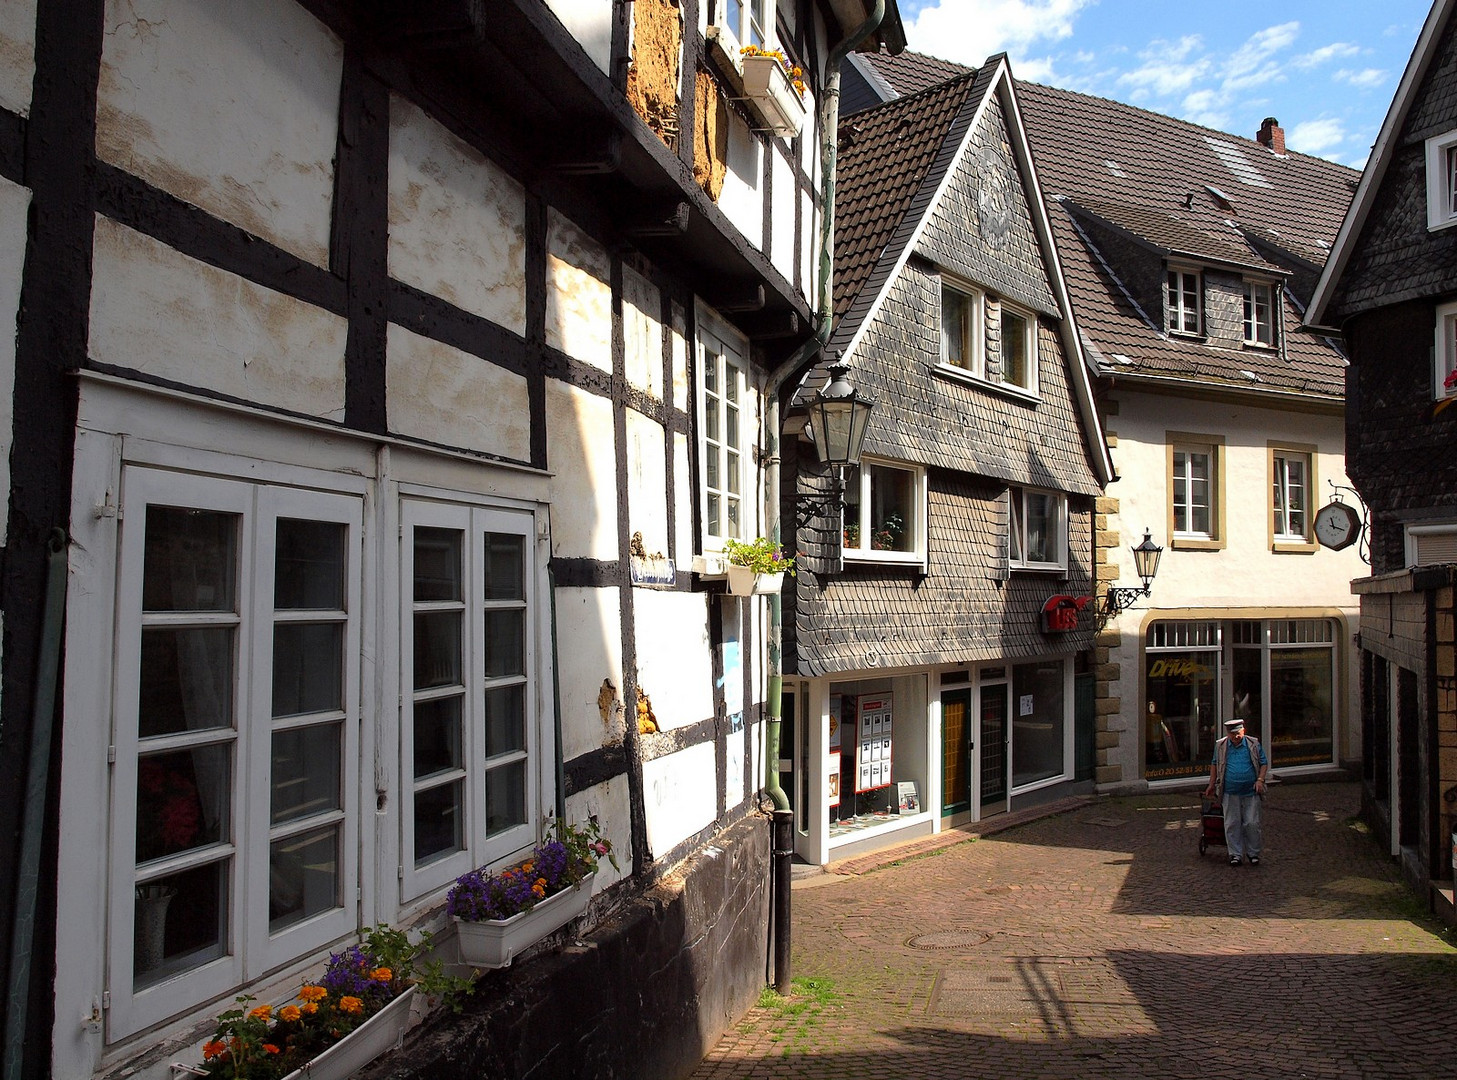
x=992 y=719
x=956 y=745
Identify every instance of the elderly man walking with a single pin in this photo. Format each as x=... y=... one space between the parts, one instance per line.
x=1237 y=774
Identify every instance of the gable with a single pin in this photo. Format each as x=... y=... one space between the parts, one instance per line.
x=982 y=227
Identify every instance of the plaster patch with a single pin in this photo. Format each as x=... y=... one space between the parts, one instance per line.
x=230 y=105
x=580 y=454
x=578 y=294
x=17 y=54
x=590 y=23
x=642 y=333
x=457 y=220
x=681 y=390
x=439 y=393
x=681 y=793
x=589 y=650
x=608 y=803
x=647 y=481
x=163 y=313
x=674 y=662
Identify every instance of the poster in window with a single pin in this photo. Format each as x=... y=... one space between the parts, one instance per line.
x=832 y=755
x=875 y=744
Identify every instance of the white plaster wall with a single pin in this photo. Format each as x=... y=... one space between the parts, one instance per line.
x=733 y=771
x=742 y=198
x=680 y=792
x=681 y=386
x=590 y=22
x=14 y=209
x=608 y=803
x=578 y=294
x=589 y=650
x=683 y=497
x=783 y=253
x=457 y=220
x=642 y=333
x=674 y=660
x=647 y=481
x=579 y=449
x=165 y=314
x=809 y=253
x=17 y=54
x=231 y=105
x=437 y=392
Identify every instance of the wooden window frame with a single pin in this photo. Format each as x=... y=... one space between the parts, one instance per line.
x=1213 y=445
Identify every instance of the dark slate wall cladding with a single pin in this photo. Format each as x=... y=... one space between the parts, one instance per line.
x=1141 y=271
x=1395 y=257
x=1224 y=309
x=932 y=419
x=1389 y=424
x=954 y=238
x=959 y=611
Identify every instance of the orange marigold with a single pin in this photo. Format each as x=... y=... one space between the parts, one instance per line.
x=313 y=993
x=289 y=1013
x=309 y=1008
x=262 y=1012
x=271 y=1048
x=381 y=974
x=351 y=1004
x=213 y=1048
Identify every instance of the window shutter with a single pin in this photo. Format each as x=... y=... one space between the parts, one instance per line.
x=1434 y=548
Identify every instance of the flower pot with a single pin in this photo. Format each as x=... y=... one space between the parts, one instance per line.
x=773 y=96
x=494 y=942
x=383 y=1031
x=742 y=581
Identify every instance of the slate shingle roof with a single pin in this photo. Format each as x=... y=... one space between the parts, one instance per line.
x=1168 y=180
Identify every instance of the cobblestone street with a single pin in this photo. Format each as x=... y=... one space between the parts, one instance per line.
x=1098 y=943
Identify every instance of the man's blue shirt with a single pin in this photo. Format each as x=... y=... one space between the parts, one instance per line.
x=1239 y=770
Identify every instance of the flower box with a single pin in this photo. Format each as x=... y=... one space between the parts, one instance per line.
x=495 y=942
x=767 y=86
x=382 y=1032
x=743 y=581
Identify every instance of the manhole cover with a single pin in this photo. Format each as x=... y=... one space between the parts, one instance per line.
x=949 y=939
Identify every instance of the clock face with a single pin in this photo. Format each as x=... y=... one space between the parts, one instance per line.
x=1337 y=526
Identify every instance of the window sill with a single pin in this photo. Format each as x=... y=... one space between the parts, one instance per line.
x=1037 y=568
x=893 y=558
x=970 y=378
x=1189 y=335
x=1261 y=346
x=1294 y=547
x=1439 y=226
x=1194 y=543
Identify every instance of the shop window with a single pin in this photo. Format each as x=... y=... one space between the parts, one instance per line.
x=1040 y=703
x=1196 y=482
x=1441 y=161
x=1259 y=320
x=885 y=513
x=1444 y=355
x=1181 y=698
x=1038 y=529
x=725 y=438
x=1182 y=302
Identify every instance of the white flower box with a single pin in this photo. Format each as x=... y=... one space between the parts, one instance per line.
x=773 y=96
x=382 y=1032
x=495 y=942
x=742 y=581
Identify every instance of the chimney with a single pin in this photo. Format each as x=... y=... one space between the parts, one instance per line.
x=1271 y=135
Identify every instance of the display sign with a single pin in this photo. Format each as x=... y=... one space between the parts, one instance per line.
x=907 y=801
x=832 y=758
x=873 y=760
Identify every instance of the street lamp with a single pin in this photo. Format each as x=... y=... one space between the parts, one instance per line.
x=837 y=419
x=1146 y=562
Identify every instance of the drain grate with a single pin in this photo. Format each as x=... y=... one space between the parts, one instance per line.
x=949 y=939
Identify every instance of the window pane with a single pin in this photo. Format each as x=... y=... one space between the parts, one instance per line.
x=191 y=560
x=731 y=426
x=306 y=769
x=183 y=800
x=505 y=797
x=186 y=680
x=180 y=922
x=714 y=516
x=732 y=473
x=1037 y=721
x=437 y=649
x=309 y=569
x=505 y=643
x=303 y=877
x=308 y=668
x=437 y=564
x=851 y=514
x=505 y=720
x=953 y=328
x=505 y=559
x=1181 y=694
x=1301 y=704
x=892 y=509
x=437 y=736
x=1014 y=348
x=439 y=815
x=1039 y=527
x=732 y=527
x=1018 y=525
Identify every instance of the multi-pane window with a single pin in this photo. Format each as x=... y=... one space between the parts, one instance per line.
x=884 y=512
x=749 y=21
x=723 y=439
x=1259 y=313
x=467 y=724
x=1290 y=500
x=961 y=328
x=234 y=827
x=1038 y=529
x=1193 y=492
x=1182 y=301
x=1441 y=166
x=1019 y=347
x=1444 y=355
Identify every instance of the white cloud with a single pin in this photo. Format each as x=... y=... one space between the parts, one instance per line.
x=1254 y=63
x=970 y=32
x=1365 y=79
x=1336 y=50
x=1165 y=67
x=1318 y=137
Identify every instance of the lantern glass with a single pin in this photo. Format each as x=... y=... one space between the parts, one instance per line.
x=1146 y=558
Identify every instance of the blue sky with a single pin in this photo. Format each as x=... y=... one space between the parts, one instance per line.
x=1326 y=70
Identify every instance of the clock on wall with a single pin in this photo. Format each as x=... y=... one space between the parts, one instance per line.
x=1337 y=525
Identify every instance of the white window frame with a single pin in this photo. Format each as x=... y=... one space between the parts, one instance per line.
x=1281 y=486
x=1029 y=347
x=973 y=329
x=249 y=949
x=1179 y=283
x=1257 y=332
x=1441 y=161
x=477 y=848
x=1442 y=536
x=1444 y=352
x=724 y=354
x=864 y=551
x=728 y=26
x=1190 y=451
x=1017 y=498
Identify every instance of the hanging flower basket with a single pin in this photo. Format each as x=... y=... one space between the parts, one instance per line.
x=383 y=1031
x=494 y=943
x=744 y=581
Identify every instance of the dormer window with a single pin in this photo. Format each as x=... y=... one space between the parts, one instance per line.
x=1181 y=302
x=1259 y=313
x=1442 y=180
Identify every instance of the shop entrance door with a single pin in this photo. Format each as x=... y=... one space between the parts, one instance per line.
x=956 y=745
x=992 y=721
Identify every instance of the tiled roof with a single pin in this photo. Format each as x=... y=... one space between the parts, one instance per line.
x=1173 y=184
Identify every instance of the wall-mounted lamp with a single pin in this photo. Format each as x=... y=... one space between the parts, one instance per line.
x=838 y=416
x=1146 y=562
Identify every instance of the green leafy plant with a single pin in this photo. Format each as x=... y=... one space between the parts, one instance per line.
x=761 y=555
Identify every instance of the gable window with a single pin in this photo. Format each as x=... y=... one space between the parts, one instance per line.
x=1259 y=313
x=1181 y=302
x=1444 y=355
x=1019 y=347
x=961 y=328
x=1441 y=161
x=1196 y=467
x=1037 y=529
x=1292 y=474
x=885 y=513
x=723 y=444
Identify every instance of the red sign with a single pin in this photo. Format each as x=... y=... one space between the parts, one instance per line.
x=1060 y=613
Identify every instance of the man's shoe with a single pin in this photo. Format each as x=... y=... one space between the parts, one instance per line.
x=1254 y=860
x=1234 y=860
